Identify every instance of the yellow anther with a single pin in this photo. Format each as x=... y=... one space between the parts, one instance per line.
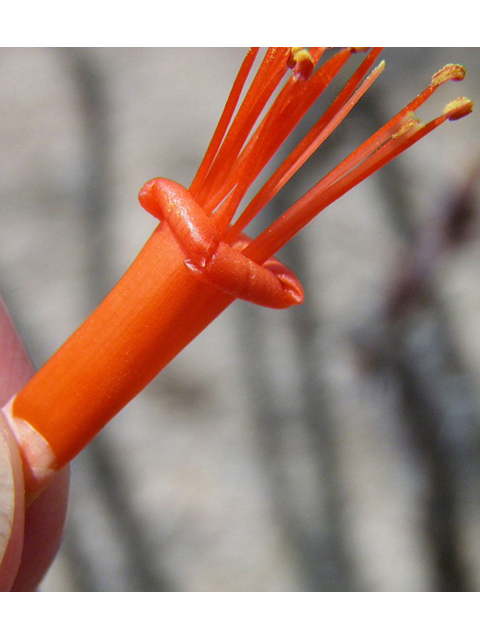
x=407 y=127
x=458 y=108
x=291 y=62
x=301 y=62
x=449 y=72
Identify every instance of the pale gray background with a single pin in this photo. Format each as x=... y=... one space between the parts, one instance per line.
x=268 y=456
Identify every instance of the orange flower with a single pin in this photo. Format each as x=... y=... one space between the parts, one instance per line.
x=198 y=261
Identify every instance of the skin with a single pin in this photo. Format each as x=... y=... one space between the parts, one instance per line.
x=33 y=533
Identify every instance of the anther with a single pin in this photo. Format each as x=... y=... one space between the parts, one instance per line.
x=301 y=62
x=291 y=62
x=450 y=72
x=458 y=108
x=407 y=126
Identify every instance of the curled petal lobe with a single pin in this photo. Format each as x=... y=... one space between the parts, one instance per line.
x=170 y=202
x=269 y=285
x=213 y=261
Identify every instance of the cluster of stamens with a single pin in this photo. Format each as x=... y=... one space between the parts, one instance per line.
x=219 y=186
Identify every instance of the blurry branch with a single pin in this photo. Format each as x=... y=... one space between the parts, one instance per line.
x=296 y=445
x=95 y=180
x=410 y=342
x=448 y=230
x=296 y=428
x=137 y=573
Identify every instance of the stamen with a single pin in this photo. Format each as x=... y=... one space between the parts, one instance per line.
x=224 y=121
x=458 y=108
x=301 y=62
x=328 y=190
x=290 y=106
x=267 y=79
x=407 y=127
x=291 y=62
x=337 y=112
x=453 y=72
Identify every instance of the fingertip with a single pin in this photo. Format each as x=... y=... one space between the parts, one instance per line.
x=12 y=508
x=44 y=524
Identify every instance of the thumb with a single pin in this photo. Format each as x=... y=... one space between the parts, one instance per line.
x=15 y=370
x=12 y=509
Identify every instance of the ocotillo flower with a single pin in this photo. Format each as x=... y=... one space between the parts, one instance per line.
x=198 y=259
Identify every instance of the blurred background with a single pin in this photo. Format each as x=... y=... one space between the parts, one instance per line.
x=332 y=447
